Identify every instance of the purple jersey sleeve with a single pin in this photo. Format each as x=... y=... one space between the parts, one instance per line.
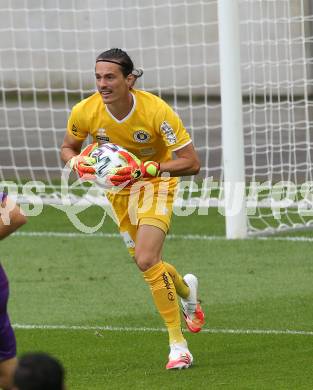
x=3 y=196
x=7 y=337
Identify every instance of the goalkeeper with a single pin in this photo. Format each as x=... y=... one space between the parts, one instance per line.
x=147 y=127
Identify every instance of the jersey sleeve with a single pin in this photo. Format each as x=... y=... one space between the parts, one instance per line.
x=3 y=196
x=75 y=124
x=172 y=130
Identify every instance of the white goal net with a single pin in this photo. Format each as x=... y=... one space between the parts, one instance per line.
x=277 y=55
x=47 y=54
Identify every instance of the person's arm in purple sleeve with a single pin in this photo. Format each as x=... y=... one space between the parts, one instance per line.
x=11 y=216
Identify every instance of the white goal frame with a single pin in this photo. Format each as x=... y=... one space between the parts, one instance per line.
x=239 y=74
x=232 y=126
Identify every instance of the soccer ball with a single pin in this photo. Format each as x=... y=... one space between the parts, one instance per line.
x=107 y=156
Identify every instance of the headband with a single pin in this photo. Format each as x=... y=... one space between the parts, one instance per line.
x=112 y=61
x=136 y=72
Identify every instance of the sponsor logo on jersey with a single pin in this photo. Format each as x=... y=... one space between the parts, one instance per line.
x=102 y=137
x=146 y=151
x=169 y=133
x=74 y=130
x=141 y=136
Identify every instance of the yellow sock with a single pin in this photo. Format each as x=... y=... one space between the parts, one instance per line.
x=165 y=299
x=181 y=287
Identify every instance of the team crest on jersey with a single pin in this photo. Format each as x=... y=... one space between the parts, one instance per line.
x=141 y=136
x=102 y=137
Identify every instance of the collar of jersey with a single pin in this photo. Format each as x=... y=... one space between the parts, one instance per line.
x=127 y=116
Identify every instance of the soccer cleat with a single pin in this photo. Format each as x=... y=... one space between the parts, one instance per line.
x=192 y=311
x=179 y=357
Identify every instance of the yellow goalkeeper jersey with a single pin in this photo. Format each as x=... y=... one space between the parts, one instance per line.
x=152 y=130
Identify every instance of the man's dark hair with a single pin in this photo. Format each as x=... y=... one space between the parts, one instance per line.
x=39 y=371
x=120 y=57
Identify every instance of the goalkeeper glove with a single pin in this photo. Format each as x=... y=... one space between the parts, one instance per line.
x=135 y=170
x=150 y=169
x=82 y=163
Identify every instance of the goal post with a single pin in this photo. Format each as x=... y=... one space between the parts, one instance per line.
x=232 y=126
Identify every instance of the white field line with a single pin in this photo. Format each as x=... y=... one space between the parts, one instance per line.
x=111 y=235
x=159 y=330
x=170 y=236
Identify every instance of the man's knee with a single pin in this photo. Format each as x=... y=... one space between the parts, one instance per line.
x=145 y=260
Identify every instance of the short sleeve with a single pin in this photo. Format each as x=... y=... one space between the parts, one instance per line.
x=172 y=129
x=75 y=124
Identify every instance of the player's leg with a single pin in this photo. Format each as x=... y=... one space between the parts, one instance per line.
x=187 y=288
x=159 y=214
x=7 y=339
x=149 y=244
x=128 y=230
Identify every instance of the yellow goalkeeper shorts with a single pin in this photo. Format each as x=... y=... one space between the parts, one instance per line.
x=147 y=203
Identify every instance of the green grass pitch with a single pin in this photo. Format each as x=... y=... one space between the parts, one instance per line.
x=264 y=286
